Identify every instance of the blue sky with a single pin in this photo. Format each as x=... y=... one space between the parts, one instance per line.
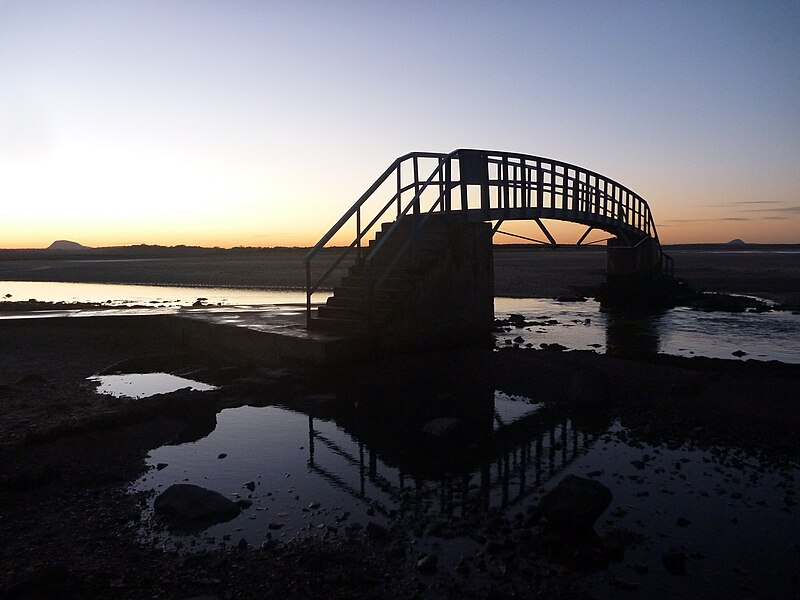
x=258 y=123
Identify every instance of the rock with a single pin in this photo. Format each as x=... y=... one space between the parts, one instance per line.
x=250 y=485
x=575 y=503
x=675 y=562
x=554 y=347
x=427 y=564
x=275 y=526
x=570 y=298
x=442 y=428
x=187 y=503
x=518 y=340
x=728 y=303
x=516 y=320
x=640 y=568
x=222 y=455
x=739 y=353
x=376 y=531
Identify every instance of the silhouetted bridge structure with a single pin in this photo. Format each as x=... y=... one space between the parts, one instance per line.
x=421 y=249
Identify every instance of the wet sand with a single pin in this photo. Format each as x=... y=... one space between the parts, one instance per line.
x=67 y=457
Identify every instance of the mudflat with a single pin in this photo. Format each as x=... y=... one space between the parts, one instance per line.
x=523 y=272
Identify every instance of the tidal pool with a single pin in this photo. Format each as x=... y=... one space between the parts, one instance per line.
x=312 y=477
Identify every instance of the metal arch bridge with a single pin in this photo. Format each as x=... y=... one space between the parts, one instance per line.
x=479 y=186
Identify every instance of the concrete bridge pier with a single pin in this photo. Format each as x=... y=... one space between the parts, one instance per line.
x=635 y=278
x=452 y=300
x=626 y=262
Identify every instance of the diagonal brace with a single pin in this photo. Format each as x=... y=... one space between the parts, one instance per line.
x=545 y=232
x=583 y=237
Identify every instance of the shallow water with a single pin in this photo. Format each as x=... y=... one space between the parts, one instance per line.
x=679 y=331
x=153 y=295
x=296 y=460
x=578 y=325
x=313 y=476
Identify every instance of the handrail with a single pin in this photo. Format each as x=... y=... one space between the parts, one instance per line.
x=537 y=185
x=394 y=225
x=360 y=231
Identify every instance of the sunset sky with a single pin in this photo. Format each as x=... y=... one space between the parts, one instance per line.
x=259 y=123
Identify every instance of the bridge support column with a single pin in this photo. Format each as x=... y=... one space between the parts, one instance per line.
x=634 y=277
x=454 y=301
x=626 y=262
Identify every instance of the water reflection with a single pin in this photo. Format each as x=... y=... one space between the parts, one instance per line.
x=502 y=472
x=366 y=454
x=633 y=335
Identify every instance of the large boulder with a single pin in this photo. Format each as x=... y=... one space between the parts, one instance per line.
x=191 y=504
x=575 y=503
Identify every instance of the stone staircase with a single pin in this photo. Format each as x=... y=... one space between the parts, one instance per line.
x=346 y=310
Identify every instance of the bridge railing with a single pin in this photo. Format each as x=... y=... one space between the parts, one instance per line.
x=479 y=185
x=397 y=189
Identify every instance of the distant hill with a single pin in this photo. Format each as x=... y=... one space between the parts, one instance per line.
x=67 y=245
x=736 y=242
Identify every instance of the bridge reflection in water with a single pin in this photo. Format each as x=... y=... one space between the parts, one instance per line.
x=633 y=335
x=527 y=445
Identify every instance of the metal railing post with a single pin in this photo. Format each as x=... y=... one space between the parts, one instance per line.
x=400 y=187
x=308 y=294
x=416 y=186
x=358 y=232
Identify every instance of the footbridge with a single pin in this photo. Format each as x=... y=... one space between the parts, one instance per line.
x=418 y=240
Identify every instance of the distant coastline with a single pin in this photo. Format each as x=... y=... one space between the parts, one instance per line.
x=63 y=249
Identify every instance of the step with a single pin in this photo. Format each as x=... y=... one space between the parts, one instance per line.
x=425 y=240
x=337 y=325
x=358 y=292
x=355 y=313
x=360 y=302
x=396 y=281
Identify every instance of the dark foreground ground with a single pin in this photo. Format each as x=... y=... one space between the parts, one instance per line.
x=71 y=529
